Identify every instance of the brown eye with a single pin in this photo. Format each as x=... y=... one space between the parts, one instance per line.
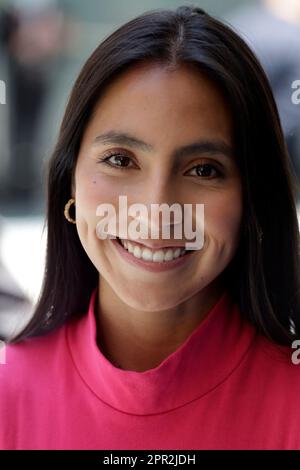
x=117 y=160
x=206 y=170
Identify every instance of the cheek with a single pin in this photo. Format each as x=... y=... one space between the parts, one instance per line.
x=223 y=217
x=92 y=190
x=89 y=193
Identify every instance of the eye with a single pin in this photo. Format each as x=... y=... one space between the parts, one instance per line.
x=117 y=160
x=207 y=171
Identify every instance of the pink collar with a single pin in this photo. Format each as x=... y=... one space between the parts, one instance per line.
x=206 y=359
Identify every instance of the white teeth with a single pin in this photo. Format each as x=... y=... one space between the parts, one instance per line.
x=169 y=255
x=156 y=256
x=147 y=254
x=137 y=252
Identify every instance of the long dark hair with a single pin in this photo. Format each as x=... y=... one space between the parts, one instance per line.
x=264 y=276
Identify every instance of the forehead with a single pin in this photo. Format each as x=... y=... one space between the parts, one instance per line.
x=159 y=100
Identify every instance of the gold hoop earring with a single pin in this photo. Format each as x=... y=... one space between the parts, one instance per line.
x=66 y=211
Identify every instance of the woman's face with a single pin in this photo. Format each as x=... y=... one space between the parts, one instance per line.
x=167 y=110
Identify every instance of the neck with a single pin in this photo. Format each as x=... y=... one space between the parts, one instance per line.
x=138 y=340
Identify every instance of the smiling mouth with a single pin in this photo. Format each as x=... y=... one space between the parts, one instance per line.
x=161 y=255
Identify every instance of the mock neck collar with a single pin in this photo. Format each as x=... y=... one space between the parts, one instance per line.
x=200 y=364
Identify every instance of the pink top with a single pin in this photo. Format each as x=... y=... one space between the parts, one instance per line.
x=225 y=387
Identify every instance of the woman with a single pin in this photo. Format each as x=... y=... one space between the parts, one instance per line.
x=143 y=344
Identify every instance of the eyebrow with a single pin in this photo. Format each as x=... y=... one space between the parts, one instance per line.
x=207 y=146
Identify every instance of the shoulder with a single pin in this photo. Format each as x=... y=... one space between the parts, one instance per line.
x=26 y=362
x=278 y=365
x=33 y=378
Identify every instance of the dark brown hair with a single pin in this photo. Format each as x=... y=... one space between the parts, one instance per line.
x=263 y=277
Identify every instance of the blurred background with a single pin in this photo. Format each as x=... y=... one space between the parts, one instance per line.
x=43 y=45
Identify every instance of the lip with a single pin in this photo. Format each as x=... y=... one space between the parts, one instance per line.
x=150 y=265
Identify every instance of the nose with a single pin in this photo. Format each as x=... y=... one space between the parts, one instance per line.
x=161 y=189
x=164 y=211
